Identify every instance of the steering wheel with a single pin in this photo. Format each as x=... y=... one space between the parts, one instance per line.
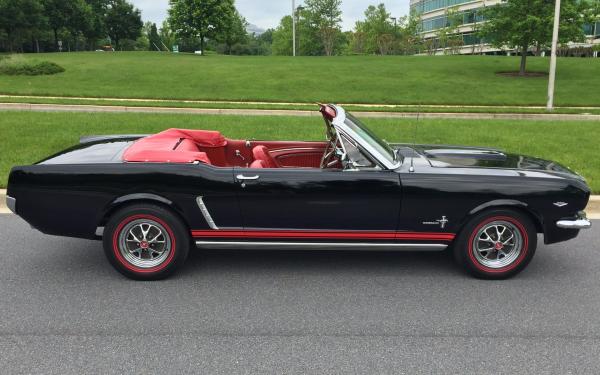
x=332 y=153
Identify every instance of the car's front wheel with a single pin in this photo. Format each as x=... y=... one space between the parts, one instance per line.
x=496 y=244
x=146 y=242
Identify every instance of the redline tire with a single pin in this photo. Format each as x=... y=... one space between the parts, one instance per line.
x=128 y=249
x=511 y=240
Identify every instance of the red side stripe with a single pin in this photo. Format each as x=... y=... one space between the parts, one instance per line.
x=324 y=234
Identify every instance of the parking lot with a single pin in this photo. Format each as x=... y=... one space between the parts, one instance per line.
x=65 y=310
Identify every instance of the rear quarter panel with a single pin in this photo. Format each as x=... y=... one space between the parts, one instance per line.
x=73 y=200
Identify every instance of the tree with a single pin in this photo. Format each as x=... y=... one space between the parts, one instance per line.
x=377 y=23
x=122 y=21
x=73 y=16
x=200 y=18
x=282 y=37
x=526 y=23
x=167 y=36
x=234 y=31
x=20 y=19
x=97 y=28
x=153 y=38
x=411 y=39
x=325 y=17
x=449 y=38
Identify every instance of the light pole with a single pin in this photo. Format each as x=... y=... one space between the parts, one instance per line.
x=552 y=77
x=294 y=27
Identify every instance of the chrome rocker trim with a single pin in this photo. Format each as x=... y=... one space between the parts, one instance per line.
x=11 y=203
x=320 y=245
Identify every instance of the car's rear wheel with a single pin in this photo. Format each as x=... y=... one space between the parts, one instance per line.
x=496 y=244
x=146 y=242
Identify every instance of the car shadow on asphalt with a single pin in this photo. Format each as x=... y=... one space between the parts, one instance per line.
x=350 y=262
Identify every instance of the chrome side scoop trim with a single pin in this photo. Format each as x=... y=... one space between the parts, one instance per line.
x=205 y=213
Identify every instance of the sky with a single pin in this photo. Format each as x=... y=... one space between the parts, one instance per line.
x=267 y=13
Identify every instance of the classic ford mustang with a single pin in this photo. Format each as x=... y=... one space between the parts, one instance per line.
x=151 y=198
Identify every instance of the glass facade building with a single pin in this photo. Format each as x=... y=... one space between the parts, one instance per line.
x=433 y=17
x=438 y=22
x=425 y=6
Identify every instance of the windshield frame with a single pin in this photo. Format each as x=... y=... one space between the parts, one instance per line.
x=366 y=138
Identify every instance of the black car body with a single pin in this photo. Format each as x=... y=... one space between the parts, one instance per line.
x=353 y=191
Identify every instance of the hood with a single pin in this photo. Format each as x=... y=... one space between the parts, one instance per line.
x=461 y=156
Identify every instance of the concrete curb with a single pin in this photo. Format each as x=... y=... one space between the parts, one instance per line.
x=283 y=112
x=257 y=102
x=3 y=208
x=593 y=208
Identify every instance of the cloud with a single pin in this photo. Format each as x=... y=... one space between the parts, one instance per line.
x=268 y=13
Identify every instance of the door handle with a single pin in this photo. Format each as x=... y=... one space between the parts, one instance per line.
x=241 y=177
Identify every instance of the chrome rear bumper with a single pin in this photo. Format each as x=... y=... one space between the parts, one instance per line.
x=580 y=222
x=11 y=203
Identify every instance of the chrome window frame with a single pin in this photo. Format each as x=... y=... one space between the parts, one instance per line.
x=340 y=126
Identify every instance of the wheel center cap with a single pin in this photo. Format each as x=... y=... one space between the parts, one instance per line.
x=499 y=246
x=144 y=245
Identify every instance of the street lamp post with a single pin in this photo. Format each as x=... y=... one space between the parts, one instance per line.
x=552 y=77
x=294 y=27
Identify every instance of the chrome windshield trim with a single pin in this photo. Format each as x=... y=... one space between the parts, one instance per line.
x=320 y=245
x=205 y=213
x=340 y=125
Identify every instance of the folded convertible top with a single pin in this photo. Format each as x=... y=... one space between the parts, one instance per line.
x=174 y=146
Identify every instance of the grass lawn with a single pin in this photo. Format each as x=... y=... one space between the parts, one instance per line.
x=30 y=136
x=345 y=79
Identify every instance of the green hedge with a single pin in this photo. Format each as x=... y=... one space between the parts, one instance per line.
x=12 y=66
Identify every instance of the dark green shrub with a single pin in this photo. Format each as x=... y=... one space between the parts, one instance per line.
x=11 y=66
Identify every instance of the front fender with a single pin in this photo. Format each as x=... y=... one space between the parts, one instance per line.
x=510 y=203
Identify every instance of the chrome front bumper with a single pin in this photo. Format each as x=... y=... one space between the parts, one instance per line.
x=11 y=203
x=580 y=222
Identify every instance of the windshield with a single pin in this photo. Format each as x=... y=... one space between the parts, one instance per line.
x=371 y=138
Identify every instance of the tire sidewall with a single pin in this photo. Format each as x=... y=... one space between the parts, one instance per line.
x=463 y=248
x=177 y=232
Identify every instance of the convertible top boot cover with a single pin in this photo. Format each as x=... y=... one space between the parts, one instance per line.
x=174 y=146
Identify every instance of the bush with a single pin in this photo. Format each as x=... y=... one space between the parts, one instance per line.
x=17 y=66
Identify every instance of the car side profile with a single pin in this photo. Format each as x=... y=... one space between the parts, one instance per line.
x=150 y=198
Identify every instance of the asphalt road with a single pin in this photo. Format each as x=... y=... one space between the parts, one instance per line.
x=64 y=310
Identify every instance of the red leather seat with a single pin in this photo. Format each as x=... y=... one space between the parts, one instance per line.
x=257 y=164
x=262 y=153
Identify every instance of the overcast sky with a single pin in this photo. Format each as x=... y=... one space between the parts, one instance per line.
x=267 y=13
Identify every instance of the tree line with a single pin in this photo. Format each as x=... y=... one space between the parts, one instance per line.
x=53 y=25
x=216 y=25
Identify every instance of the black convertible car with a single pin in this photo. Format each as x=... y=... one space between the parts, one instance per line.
x=151 y=198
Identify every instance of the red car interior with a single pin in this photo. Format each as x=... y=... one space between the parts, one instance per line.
x=210 y=147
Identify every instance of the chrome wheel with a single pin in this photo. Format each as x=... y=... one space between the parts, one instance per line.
x=497 y=244
x=144 y=243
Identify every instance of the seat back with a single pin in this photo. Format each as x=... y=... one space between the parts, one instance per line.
x=257 y=164
x=262 y=153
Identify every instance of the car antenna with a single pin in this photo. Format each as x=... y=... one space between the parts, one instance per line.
x=412 y=158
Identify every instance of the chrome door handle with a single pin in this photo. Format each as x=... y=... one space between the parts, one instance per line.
x=241 y=177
